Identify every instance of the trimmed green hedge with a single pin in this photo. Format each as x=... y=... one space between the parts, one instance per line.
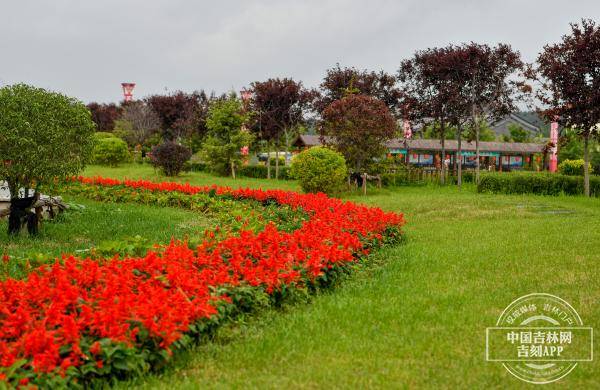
x=536 y=183
x=404 y=178
x=260 y=172
x=255 y=171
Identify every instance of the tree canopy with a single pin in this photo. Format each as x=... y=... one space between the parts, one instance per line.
x=340 y=82
x=279 y=105
x=570 y=77
x=358 y=126
x=104 y=115
x=44 y=136
x=225 y=138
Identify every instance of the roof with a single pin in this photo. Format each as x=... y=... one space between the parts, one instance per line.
x=435 y=145
x=501 y=126
x=452 y=145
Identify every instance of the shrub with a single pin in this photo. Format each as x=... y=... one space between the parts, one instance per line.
x=274 y=161
x=536 y=183
x=170 y=157
x=572 y=167
x=110 y=151
x=319 y=169
x=416 y=177
x=103 y=134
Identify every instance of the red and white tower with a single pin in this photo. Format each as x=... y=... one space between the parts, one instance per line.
x=128 y=91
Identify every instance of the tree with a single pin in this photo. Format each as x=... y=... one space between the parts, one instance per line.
x=358 y=127
x=44 y=136
x=431 y=92
x=493 y=83
x=339 y=82
x=225 y=137
x=517 y=134
x=182 y=115
x=143 y=120
x=104 y=115
x=484 y=84
x=570 y=77
x=279 y=106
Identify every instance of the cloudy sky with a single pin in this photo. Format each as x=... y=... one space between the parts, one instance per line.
x=87 y=48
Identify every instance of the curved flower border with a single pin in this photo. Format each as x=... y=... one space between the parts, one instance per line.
x=65 y=318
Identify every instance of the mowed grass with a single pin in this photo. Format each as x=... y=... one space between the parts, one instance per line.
x=147 y=172
x=417 y=318
x=91 y=223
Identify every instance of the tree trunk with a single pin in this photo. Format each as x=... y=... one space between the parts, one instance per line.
x=459 y=159
x=477 y=163
x=232 y=169
x=443 y=139
x=277 y=163
x=476 y=124
x=269 y=161
x=586 y=168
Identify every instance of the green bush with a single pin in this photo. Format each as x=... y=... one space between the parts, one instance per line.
x=274 y=161
x=536 y=183
x=102 y=135
x=110 y=151
x=572 y=167
x=319 y=169
x=406 y=178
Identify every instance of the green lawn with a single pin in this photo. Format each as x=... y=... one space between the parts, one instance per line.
x=94 y=223
x=418 y=317
x=136 y=171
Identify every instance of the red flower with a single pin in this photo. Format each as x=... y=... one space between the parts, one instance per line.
x=160 y=295
x=95 y=348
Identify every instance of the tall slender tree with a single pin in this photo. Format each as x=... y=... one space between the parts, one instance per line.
x=279 y=106
x=429 y=92
x=570 y=77
x=493 y=82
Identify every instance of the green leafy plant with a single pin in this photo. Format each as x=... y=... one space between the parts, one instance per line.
x=572 y=167
x=319 y=169
x=111 y=151
x=44 y=136
x=536 y=183
x=221 y=149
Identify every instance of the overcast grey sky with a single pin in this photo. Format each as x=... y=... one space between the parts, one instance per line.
x=87 y=48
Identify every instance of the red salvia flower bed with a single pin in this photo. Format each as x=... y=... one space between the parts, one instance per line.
x=53 y=319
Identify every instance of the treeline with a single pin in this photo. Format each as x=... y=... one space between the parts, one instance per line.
x=452 y=90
